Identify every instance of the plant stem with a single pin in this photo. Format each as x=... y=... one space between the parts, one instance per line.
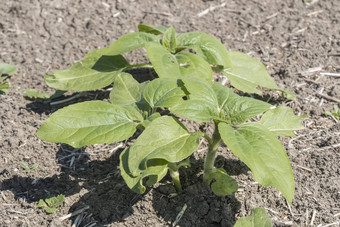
x=173 y=169
x=144 y=65
x=214 y=144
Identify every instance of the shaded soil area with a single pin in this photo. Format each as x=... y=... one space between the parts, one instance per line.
x=298 y=42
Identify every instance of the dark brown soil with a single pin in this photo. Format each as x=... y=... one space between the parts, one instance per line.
x=289 y=37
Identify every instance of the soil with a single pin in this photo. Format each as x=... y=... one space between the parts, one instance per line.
x=296 y=41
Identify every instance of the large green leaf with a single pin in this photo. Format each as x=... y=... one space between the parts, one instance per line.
x=86 y=123
x=99 y=67
x=103 y=61
x=281 y=121
x=247 y=73
x=169 y=40
x=132 y=41
x=222 y=184
x=80 y=78
x=235 y=109
x=214 y=52
x=164 y=63
x=97 y=70
x=263 y=153
x=180 y=65
x=192 y=65
x=152 y=30
x=165 y=138
x=164 y=141
x=163 y=92
x=126 y=90
x=215 y=101
x=202 y=103
x=128 y=93
x=7 y=69
x=258 y=218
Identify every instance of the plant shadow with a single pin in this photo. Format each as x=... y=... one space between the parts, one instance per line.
x=98 y=184
x=203 y=207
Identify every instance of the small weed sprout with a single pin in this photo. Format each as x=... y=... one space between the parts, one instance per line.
x=335 y=114
x=51 y=203
x=6 y=71
x=27 y=168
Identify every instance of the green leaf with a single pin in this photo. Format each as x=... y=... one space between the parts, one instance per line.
x=34 y=166
x=222 y=184
x=263 y=153
x=37 y=94
x=57 y=94
x=128 y=93
x=247 y=73
x=152 y=30
x=169 y=40
x=25 y=166
x=167 y=139
x=155 y=172
x=335 y=113
x=202 y=104
x=80 y=78
x=235 y=109
x=180 y=65
x=51 y=203
x=4 y=87
x=103 y=60
x=192 y=65
x=281 y=121
x=258 y=218
x=164 y=141
x=41 y=203
x=207 y=46
x=132 y=41
x=86 y=123
x=163 y=92
x=107 y=63
x=97 y=70
x=7 y=69
x=164 y=63
x=215 y=101
x=126 y=90
x=58 y=201
x=51 y=210
x=2 y=78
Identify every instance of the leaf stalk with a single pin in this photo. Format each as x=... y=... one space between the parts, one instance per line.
x=173 y=169
x=214 y=143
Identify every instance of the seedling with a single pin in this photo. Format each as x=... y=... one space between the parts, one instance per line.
x=51 y=203
x=27 y=168
x=258 y=217
x=184 y=89
x=335 y=114
x=6 y=70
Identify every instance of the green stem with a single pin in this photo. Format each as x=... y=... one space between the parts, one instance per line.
x=144 y=65
x=214 y=144
x=173 y=169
